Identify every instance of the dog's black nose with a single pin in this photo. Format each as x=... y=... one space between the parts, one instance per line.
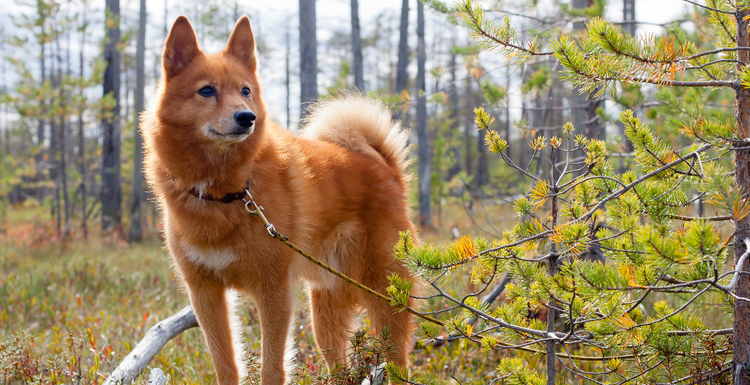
x=244 y=118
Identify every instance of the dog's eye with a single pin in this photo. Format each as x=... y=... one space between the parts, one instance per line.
x=207 y=91
x=245 y=91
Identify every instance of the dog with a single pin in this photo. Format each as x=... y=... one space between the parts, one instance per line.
x=338 y=191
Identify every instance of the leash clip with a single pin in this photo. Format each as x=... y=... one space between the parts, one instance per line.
x=258 y=211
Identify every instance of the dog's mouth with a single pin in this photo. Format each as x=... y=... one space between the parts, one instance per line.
x=237 y=134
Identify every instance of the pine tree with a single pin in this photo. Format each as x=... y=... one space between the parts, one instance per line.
x=641 y=316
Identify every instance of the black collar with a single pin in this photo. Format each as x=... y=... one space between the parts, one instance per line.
x=229 y=198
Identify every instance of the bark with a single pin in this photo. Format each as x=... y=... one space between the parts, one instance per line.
x=402 y=77
x=425 y=212
x=111 y=190
x=741 y=337
x=359 y=81
x=308 y=55
x=136 y=223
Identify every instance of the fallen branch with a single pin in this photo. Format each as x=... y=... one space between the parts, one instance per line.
x=156 y=337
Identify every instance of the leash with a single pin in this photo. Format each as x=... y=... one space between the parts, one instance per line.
x=258 y=211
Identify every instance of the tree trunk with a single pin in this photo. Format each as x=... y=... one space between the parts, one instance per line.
x=63 y=140
x=308 y=56
x=111 y=190
x=359 y=81
x=287 y=81
x=41 y=124
x=81 y=138
x=741 y=337
x=166 y=25
x=508 y=151
x=628 y=16
x=468 y=124
x=453 y=99
x=54 y=139
x=402 y=77
x=425 y=213
x=136 y=224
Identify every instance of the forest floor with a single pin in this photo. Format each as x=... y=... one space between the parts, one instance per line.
x=71 y=310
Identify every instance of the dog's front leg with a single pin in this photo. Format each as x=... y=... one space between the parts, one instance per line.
x=214 y=310
x=275 y=310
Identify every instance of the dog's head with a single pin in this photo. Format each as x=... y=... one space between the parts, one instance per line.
x=212 y=99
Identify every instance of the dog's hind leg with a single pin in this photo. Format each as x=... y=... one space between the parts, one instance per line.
x=332 y=312
x=381 y=313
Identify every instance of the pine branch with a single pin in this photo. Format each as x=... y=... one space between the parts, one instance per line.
x=487 y=33
x=709 y=8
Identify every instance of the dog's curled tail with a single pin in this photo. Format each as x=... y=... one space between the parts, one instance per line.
x=359 y=124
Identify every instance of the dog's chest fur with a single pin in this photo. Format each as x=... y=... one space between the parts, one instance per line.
x=214 y=258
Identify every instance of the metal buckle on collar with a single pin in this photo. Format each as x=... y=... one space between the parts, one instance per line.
x=258 y=211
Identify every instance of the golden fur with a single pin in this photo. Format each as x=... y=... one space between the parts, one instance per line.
x=338 y=191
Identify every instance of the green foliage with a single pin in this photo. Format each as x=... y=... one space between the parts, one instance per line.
x=493 y=93
x=515 y=373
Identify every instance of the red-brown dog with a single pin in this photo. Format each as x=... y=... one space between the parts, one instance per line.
x=339 y=192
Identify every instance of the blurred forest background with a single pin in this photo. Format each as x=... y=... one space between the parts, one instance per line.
x=82 y=271
x=73 y=79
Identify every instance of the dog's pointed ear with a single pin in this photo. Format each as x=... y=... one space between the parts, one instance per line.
x=181 y=47
x=241 y=44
